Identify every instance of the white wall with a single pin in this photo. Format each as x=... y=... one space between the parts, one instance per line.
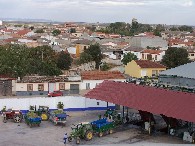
x=23 y=86
x=69 y=102
x=93 y=83
x=71 y=50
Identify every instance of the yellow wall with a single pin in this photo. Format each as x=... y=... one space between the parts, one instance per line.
x=134 y=70
x=80 y=49
x=149 y=71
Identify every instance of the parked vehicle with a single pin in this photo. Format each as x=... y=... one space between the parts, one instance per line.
x=58 y=116
x=55 y=93
x=81 y=131
x=32 y=119
x=16 y=115
x=87 y=130
x=43 y=112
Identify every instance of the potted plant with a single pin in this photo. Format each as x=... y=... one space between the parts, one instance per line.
x=4 y=109
x=60 y=106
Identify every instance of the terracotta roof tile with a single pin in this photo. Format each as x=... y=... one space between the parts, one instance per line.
x=149 y=64
x=101 y=75
x=150 y=51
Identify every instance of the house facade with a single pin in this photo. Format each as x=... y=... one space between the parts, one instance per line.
x=81 y=45
x=145 y=42
x=154 y=55
x=142 y=68
x=44 y=85
x=91 y=79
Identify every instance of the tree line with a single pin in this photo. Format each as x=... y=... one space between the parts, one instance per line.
x=126 y=29
x=19 y=60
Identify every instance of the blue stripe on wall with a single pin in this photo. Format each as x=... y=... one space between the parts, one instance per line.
x=78 y=109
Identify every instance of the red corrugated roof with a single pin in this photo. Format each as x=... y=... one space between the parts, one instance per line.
x=174 y=104
x=149 y=64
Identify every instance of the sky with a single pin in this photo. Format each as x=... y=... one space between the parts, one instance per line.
x=174 y=12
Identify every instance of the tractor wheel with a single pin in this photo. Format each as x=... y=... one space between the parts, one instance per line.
x=100 y=134
x=70 y=139
x=78 y=140
x=44 y=117
x=89 y=135
x=17 y=118
x=110 y=131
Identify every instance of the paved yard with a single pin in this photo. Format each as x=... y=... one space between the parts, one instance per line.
x=13 y=134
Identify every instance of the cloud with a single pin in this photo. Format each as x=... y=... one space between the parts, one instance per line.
x=147 y=11
x=188 y=3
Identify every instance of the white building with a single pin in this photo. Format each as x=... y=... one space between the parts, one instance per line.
x=90 y=79
x=1 y=22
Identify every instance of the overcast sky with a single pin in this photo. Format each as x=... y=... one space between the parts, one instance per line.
x=146 y=11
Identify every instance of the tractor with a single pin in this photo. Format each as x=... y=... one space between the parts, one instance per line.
x=16 y=115
x=86 y=130
x=43 y=112
x=111 y=113
x=81 y=131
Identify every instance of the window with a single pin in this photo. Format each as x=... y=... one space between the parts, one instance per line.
x=85 y=47
x=29 y=87
x=155 y=57
x=41 y=87
x=154 y=72
x=98 y=103
x=142 y=56
x=62 y=86
x=192 y=54
x=87 y=85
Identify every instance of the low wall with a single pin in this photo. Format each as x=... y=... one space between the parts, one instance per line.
x=71 y=103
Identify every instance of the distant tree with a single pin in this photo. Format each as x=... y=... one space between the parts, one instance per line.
x=95 y=52
x=157 y=33
x=185 y=28
x=175 y=57
x=31 y=28
x=128 y=58
x=39 y=31
x=64 y=60
x=56 y=32
x=18 y=25
x=85 y=58
x=72 y=30
x=19 y=60
x=105 y=67
x=173 y=29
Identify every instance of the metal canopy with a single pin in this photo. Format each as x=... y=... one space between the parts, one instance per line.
x=170 y=103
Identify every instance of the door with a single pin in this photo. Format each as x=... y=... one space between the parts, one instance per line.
x=74 y=88
x=52 y=87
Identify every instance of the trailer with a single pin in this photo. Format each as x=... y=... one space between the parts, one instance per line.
x=32 y=119
x=58 y=116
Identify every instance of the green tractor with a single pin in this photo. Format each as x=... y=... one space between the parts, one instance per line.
x=81 y=131
x=111 y=113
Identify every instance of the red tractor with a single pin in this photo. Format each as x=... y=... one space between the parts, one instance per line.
x=16 y=115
